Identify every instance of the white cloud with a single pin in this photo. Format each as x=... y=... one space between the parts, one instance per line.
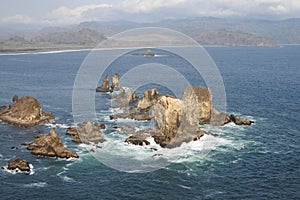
x=65 y=15
x=151 y=10
x=147 y=6
x=22 y=19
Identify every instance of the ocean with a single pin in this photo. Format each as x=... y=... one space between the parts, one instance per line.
x=244 y=162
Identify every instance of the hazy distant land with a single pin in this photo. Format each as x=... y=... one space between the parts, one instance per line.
x=206 y=31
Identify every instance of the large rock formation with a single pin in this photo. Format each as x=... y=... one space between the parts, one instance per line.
x=105 y=86
x=176 y=120
x=87 y=132
x=20 y=164
x=25 y=111
x=50 y=145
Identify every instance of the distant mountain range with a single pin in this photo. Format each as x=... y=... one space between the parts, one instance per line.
x=207 y=31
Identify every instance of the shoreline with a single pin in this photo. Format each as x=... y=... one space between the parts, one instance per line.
x=70 y=49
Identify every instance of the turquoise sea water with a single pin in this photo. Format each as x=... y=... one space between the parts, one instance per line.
x=256 y=162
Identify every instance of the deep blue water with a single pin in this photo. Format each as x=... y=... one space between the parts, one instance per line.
x=256 y=162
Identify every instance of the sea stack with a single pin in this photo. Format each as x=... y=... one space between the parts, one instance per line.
x=25 y=111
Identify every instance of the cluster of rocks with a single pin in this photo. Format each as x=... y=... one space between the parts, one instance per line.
x=106 y=87
x=177 y=120
x=26 y=112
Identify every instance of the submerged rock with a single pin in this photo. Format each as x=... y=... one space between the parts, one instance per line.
x=25 y=111
x=137 y=140
x=50 y=145
x=105 y=86
x=20 y=164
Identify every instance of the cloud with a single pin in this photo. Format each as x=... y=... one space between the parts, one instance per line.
x=146 y=6
x=65 y=15
x=152 y=10
x=19 y=19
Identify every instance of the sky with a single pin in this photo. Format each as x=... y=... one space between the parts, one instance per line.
x=67 y=12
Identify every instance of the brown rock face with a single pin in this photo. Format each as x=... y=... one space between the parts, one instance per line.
x=25 y=111
x=20 y=164
x=89 y=132
x=166 y=114
x=105 y=86
x=50 y=145
x=204 y=99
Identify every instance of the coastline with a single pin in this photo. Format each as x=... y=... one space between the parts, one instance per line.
x=89 y=48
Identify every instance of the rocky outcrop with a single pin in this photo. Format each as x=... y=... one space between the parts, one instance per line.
x=50 y=145
x=240 y=121
x=87 y=132
x=115 y=86
x=137 y=140
x=20 y=164
x=105 y=86
x=25 y=111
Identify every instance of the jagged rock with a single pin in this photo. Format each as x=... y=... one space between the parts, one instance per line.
x=204 y=99
x=149 y=98
x=115 y=86
x=105 y=86
x=137 y=140
x=240 y=121
x=90 y=132
x=50 y=145
x=25 y=111
x=20 y=164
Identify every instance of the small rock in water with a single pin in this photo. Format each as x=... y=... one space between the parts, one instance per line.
x=20 y=164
